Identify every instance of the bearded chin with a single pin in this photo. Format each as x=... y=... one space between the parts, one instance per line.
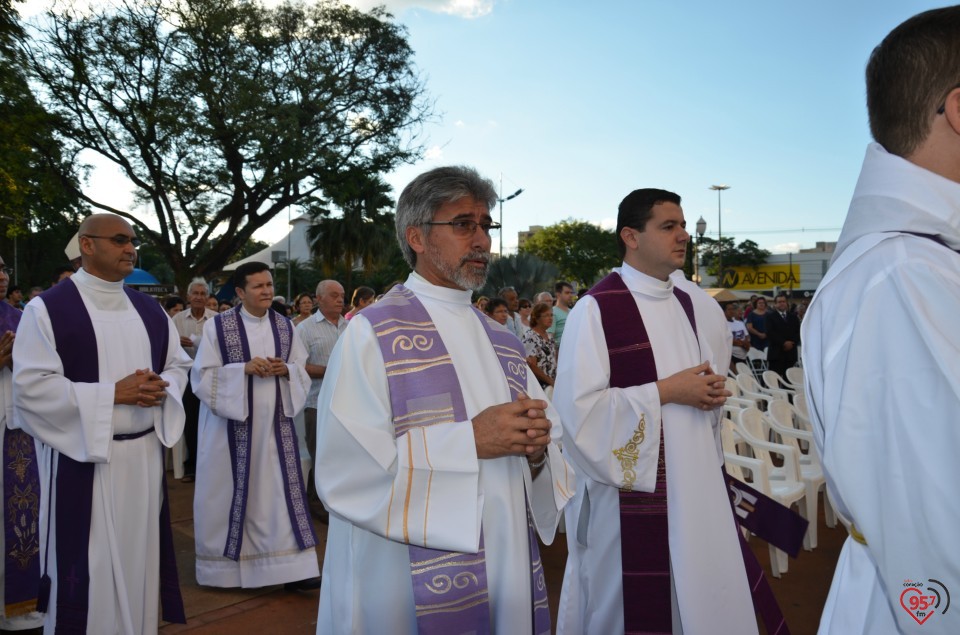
x=470 y=278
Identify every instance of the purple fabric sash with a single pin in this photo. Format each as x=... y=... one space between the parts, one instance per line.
x=234 y=349
x=21 y=508
x=424 y=390
x=646 y=570
x=645 y=601
x=77 y=347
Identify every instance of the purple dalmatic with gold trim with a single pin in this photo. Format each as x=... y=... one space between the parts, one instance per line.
x=646 y=568
x=449 y=588
x=21 y=507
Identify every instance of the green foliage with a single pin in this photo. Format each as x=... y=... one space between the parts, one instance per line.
x=35 y=180
x=746 y=254
x=581 y=251
x=224 y=113
x=362 y=234
x=524 y=272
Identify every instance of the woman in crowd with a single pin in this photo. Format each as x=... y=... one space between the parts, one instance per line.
x=481 y=303
x=524 y=312
x=362 y=298
x=173 y=304
x=303 y=306
x=757 y=324
x=540 y=346
x=497 y=309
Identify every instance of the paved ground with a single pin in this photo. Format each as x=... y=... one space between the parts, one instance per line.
x=801 y=592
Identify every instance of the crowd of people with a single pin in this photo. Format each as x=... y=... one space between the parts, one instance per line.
x=448 y=436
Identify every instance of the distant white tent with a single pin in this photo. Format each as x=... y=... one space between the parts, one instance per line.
x=295 y=242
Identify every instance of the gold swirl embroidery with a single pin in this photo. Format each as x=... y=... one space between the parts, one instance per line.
x=406 y=343
x=441 y=584
x=629 y=454
x=517 y=369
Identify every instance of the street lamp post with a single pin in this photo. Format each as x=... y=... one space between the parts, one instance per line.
x=719 y=189
x=501 y=201
x=701 y=230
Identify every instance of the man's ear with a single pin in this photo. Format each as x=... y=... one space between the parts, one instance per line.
x=951 y=109
x=628 y=237
x=415 y=239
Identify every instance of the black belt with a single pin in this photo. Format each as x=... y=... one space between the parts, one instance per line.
x=132 y=435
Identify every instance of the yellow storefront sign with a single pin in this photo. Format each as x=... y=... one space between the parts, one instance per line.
x=762 y=277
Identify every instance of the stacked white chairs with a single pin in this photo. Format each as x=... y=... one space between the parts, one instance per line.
x=783 y=483
x=774 y=381
x=780 y=419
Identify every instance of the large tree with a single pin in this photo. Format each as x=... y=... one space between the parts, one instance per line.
x=223 y=113
x=34 y=202
x=580 y=250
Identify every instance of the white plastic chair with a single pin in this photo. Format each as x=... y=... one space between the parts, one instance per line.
x=788 y=489
x=775 y=382
x=757 y=360
x=740 y=367
x=779 y=417
x=795 y=378
x=750 y=389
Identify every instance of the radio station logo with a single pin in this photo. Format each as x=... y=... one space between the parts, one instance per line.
x=922 y=600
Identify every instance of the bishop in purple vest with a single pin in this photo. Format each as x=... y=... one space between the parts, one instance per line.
x=437 y=453
x=98 y=380
x=653 y=545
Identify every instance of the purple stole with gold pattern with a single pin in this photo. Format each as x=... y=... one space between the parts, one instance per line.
x=234 y=349
x=21 y=508
x=646 y=563
x=449 y=588
x=76 y=344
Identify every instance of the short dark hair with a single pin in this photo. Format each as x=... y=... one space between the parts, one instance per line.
x=172 y=301
x=492 y=305
x=561 y=285
x=909 y=75
x=361 y=294
x=239 y=279
x=635 y=210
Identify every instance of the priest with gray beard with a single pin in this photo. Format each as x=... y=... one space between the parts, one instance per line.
x=437 y=452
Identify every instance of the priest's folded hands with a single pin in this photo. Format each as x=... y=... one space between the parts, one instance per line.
x=143 y=388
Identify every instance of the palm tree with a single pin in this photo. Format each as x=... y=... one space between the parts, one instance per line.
x=361 y=234
x=524 y=272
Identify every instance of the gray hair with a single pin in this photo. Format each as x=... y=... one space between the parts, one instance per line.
x=197 y=281
x=424 y=195
x=544 y=296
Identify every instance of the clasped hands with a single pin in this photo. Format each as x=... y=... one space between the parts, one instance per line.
x=269 y=367
x=698 y=387
x=517 y=428
x=142 y=388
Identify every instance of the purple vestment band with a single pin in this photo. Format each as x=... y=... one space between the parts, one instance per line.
x=234 y=349
x=77 y=347
x=21 y=508
x=424 y=390
x=632 y=364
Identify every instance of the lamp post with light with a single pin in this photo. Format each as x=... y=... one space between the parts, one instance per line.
x=701 y=230
x=501 y=201
x=719 y=189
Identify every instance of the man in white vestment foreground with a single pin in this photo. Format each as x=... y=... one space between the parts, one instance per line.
x=19 y=492
x=639 y=388
x=98 y=378
x=250 y=512
x=881 y=352
x=436 y=454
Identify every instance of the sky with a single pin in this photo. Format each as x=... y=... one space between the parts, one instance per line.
x=580 y=103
